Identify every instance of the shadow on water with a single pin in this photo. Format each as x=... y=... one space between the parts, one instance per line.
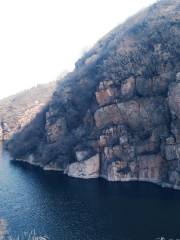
x=67 y=208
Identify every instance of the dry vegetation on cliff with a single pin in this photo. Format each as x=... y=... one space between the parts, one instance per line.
x=117 y=115
x=18 y=110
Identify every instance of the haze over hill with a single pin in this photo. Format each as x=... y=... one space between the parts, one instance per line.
x=18 y=110
x=35 y=50
x=117 y=115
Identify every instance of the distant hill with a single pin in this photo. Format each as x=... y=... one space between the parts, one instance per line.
x=18 y=110
x=117 y=115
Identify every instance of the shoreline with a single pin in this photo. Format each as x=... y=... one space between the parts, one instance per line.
x=140 y=180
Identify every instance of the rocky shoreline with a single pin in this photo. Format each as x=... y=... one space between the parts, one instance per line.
x=117 y=115
x=73 y=174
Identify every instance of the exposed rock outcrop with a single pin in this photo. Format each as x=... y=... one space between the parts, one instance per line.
x=118 y=114
x=85 y=169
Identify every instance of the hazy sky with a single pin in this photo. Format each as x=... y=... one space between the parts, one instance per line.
x=39 y=39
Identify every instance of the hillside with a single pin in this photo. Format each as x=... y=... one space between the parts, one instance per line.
x=18 y=110
x=118 y=114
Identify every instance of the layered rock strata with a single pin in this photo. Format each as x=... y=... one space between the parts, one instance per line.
x=117 y=116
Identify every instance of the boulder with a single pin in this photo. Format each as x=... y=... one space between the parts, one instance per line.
x=85 y=169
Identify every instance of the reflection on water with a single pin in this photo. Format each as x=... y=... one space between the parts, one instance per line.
x=73 y=209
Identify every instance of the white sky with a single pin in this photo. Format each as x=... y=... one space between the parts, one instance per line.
x=39 y=39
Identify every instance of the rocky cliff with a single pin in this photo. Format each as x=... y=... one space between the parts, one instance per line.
x=118 y=114
x=19 y=110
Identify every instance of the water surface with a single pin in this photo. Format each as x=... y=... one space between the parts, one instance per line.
x=73 y=209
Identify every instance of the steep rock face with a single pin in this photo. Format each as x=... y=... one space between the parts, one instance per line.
x=118 y=114
x=137 y=114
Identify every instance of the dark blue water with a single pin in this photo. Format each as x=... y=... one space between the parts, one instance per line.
x=71 y=209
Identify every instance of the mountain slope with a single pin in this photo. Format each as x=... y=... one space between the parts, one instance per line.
x=18 y=110
x=118 y=114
